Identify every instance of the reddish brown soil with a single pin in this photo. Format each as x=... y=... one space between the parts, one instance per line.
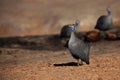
x=34 y=58
x=43 y=57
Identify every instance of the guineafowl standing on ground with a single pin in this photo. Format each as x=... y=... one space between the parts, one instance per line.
x=79 y=49
x=104 y=22
x=66 y=31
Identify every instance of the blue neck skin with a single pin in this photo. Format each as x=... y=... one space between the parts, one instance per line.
x=73 y=28
x=109 y=12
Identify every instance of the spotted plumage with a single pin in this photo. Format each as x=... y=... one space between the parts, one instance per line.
x=104 y=22
x=78 y=48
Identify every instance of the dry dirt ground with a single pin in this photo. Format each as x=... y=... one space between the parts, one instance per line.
x=44 y=58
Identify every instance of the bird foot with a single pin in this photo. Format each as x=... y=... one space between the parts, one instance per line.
x=79 y=63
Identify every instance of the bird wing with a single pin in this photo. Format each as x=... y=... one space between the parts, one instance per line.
x=101 y=21
x=80 y=49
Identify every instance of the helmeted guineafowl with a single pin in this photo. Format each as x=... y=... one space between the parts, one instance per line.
x=78 y=48
x=104 y=22
x=66 y=31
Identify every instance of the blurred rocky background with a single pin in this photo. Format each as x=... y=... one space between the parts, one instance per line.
x=45 y=17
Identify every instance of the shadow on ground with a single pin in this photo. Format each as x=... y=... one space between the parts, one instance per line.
x=44 y=42
x=66 y=64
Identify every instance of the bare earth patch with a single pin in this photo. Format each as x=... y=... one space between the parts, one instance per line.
x=23 y=62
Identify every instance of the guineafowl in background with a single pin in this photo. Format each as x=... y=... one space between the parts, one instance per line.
x=78 y=48
x=104 y=22
x=66 y=31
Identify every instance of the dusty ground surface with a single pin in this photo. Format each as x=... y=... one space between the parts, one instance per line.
x=43 y=57
x=34 y=58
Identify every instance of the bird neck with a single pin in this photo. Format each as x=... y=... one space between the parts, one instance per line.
x=76 y=28
x=109 y=17
x=76 y=24
x=109 y=13
x=72 y=37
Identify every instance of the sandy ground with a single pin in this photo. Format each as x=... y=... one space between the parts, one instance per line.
x=37 y=54
x=27 y=59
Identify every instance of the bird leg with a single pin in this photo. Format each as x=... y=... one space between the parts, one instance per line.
x=79 y=62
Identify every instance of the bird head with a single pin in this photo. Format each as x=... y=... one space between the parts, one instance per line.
x=72 y=28
x=109 y=10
